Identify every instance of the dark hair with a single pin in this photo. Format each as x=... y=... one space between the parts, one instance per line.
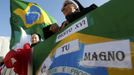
x=38 y=35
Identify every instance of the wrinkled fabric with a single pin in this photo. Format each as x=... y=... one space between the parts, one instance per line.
x=22 y=57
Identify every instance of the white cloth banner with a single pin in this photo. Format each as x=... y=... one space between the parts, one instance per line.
x=68 y=48
x=68 y=70
x=82 y=24
x=45 y=66
x=110 y=54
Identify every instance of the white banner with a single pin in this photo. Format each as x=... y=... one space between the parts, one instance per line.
x=68 y=48
x=68 y=70
x=82 y=24
x=110 y=54
x=45 y=66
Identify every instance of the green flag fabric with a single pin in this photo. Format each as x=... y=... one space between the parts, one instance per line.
x=84 y=46
x=28 y=17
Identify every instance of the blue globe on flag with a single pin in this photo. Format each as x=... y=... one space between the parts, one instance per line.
x=33 y=14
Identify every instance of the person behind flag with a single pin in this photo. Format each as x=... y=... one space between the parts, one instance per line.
x=72 y=10
x=19 y=59
x=32 y=18
x=35 y=39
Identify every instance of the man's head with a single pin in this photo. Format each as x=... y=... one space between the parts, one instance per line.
x=35 y=38
x=69 y=7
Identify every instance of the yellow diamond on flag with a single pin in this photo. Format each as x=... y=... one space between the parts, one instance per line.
x=33 y=15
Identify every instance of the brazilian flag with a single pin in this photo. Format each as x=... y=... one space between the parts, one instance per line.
x=27 y=18
x=111 y=22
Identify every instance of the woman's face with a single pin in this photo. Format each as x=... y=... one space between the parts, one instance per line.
x=35 y=39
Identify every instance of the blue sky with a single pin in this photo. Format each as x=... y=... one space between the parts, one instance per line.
x=53 y=7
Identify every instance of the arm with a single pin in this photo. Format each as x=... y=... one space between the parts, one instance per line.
x=50 y=30
x=8 y=59
x=63 y=25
